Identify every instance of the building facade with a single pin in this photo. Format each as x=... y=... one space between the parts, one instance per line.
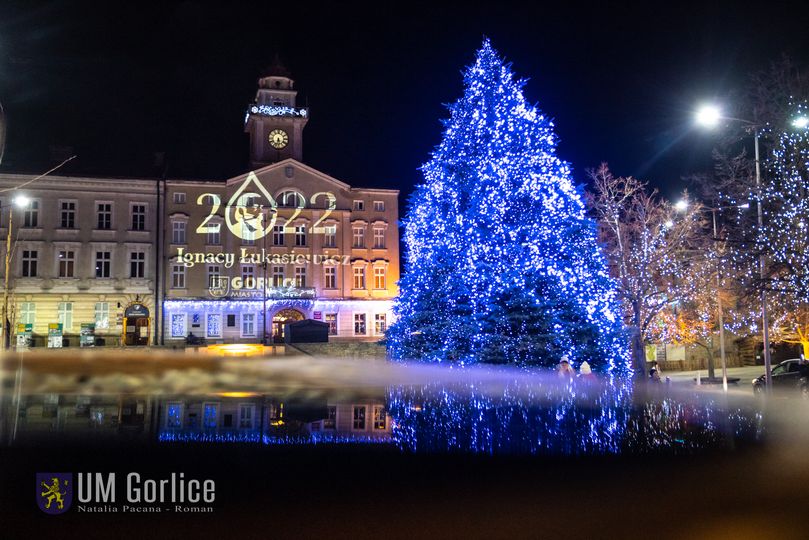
x=82 y=253
x=156 y=261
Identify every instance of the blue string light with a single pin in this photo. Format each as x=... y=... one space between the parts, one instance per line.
x=502 y=264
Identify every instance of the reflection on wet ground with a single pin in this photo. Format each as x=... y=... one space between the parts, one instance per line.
x=172 y=399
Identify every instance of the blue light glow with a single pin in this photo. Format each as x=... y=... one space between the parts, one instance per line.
x=502 y=264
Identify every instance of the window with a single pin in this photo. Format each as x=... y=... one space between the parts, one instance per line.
x=248 y=324
x=104 y=215
x=28 y=313
x=102 y=315
x=29 y=263
x=210 y=415
x=300 y=235
x=359 y=417
x=213 y=325
x=31 y=215
x=359 y=277
x=358 y=237
x=178 y=232
x=379 y=206
x=214 y=236
x=248 y=272
x=248 y=237
x=67 y=214
x=380 y=323
x=330 y=422
x=214 y=272
x=330 y=274
x=277 y=276
x=231 y=320
x=379 y=277
x=174 y=415
x=359 y=324
x=179 y=197
x=178 y=276
x=137 y=264
x=379 y=238
x=103 y=264
x=178 y=324
x=359 y=205
x=330 y=238
x=246 y=415
x=278 y=235
x=138 y=217
x=331 y=320
x=379 y=417
x=67 y=261
x=300 y=277
x=291 y=199
x=65 y=315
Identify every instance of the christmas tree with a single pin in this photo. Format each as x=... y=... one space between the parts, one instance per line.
x=502 y=263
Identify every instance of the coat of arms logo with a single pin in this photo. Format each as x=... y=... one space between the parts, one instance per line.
x=219 y=286
x=54 y=492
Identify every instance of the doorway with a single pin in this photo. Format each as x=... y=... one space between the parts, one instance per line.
x=282 y=318
x=137 y=325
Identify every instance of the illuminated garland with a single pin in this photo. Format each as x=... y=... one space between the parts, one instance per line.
x=502 y=264
x=278 y=110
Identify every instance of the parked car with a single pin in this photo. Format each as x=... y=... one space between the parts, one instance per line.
x=788 y=376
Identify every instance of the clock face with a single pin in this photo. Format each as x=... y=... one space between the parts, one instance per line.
x=278 y=138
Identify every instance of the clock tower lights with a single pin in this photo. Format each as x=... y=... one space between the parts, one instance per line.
x=274 y=122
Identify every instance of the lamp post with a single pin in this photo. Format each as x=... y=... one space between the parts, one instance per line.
x=709 y=116
x=682 y=206
x=20 y=201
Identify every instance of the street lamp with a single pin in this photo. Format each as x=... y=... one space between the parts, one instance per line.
x=682 y=205
x=801 y=122
x=709 y=116
x=20 y=201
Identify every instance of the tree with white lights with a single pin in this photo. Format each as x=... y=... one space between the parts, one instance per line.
x=650 y=248
x=502 y=263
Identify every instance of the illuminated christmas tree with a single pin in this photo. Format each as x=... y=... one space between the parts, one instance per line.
x=502 y=263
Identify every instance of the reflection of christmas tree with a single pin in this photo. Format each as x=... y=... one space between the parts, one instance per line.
x=502 y=263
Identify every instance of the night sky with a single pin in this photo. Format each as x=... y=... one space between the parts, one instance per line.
x=120 y=81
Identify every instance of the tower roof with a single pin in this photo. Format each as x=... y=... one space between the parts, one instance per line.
x=276 y=69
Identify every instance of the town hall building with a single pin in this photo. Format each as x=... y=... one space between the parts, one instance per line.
x=154 y=261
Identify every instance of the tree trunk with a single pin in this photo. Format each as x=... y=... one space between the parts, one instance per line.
x=636 y=346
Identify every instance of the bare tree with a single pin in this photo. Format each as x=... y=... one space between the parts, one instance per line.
x=648 y=245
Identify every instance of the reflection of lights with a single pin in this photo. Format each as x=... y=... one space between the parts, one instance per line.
x=238 y=394
x=236 y=349
x=277 y=423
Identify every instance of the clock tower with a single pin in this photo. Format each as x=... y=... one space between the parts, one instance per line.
x=274 y=121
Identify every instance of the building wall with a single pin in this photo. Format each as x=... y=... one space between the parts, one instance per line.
x=66 y=249
x=73 y=281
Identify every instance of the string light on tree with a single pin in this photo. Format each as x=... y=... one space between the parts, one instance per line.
x=502 y=263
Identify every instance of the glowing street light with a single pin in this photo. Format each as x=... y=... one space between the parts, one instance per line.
x=708 y=116
x=801 y=122
x=21 y=201
x=681 y=205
